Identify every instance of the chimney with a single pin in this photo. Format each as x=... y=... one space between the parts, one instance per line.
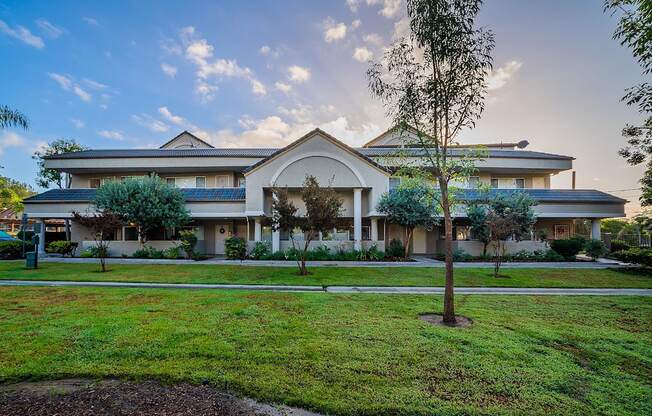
x=573 y=179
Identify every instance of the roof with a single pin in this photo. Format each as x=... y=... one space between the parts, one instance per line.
x=191 y=195
x=185 y=132
x=268 y=152
x=547 y=195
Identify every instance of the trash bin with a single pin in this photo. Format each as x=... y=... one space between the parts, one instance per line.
x=31 y=260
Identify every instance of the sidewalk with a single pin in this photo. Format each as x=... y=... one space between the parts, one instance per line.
x=393 y=290
x=418 y=262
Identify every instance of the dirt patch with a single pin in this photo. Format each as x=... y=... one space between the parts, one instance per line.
x=116 y=398
x=438 y=320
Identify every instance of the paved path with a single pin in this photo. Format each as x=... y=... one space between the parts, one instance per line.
x=396 y=290
x=419 y=262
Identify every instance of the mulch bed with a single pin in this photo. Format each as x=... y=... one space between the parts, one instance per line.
x=437 y=319
x=81 y=397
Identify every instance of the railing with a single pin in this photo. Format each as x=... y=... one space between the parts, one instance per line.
x=634 y=240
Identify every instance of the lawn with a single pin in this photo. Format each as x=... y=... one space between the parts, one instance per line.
x=327 y=276
x=343 y=354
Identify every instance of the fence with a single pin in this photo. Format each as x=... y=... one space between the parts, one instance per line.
x=634 y=240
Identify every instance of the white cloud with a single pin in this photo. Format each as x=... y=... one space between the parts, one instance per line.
x=147 y=121
x=258 y=87
x=373 y=39
x=22 y=34
x=264 y=50
x=67 y=84
x=169 y=70
x=362 y=54
x=205 y=90
x=356 y=24
x=333 y=31
x=498 y=78
x=283 y=87
x=49 y=29
x=90 y=21
x=10 y=140
x=390 y=8
x=111 y=134
x=353 y=5
x=77 y=123
x=298 y=74
x=94 y=84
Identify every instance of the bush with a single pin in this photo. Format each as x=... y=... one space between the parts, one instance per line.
x=552 y=255
x=568 y=248
x=235 y=248
x=370 y=254
x=147 y=252
x=11 y=250
x=321 y=253
x=94 y=252
x=260 y=250
x=65 y=248
x=172 y=253
x=188 y=240
x=594 y=248
x=199 y=256
x=619 y=245
x=25 y=235
x=642 y=256
x=395 y=249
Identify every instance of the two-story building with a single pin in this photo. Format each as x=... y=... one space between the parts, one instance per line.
x=228 y=190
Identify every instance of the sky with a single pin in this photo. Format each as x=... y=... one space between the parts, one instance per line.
x=133 y=74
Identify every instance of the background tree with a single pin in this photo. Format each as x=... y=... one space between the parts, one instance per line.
x=434 y=80
x=12 y=193
x=101 y=225
x=634 y=30
x=508 y=216
x=412 y=204
x=323 y=208
x=148 y=203
x=477 y=216
x=12 y=118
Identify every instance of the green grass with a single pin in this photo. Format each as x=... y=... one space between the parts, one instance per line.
x=327 y=276
x=343 y=354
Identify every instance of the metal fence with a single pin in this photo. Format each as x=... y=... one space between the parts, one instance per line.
x=634 y=240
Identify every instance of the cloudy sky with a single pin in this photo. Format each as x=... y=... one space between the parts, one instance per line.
x=125 y=74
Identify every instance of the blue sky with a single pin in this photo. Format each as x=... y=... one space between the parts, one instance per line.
x=124 y=74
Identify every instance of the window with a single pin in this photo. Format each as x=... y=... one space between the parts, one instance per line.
x=267 y=233
x=200 y=182
x=242 y=182
x=562 y=231
x=519 y=183
x=365 y=233
x=463 y=232
x=130 y=233
x=474 y=181
x=394 y=183
x=171 y=181
x=494 y=183
x=223 y=181
x=94 y=182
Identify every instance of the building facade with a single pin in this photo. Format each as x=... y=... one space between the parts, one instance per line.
x=228 y=191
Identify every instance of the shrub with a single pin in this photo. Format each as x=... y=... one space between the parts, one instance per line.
x=199 y=256
x=25 y=235
x=642 y=256
x=619 y=245
x=86 y=254
x=568 y=248
x=395 y=249
x=461 y=255
x=94 y=252
x=188 y=240
x=321 y=253
x=370 y=254
x=11 y=249
x=260 y=250
x=235 y=248
x=65 y=248
x=552 y=255
x=594 y=248
x=172 y=253
x=147 y=252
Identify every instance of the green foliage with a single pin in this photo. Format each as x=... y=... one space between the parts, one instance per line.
x=11 y=250
x=568 y=248
x=188 y=242
x=235 y=248
x=520 y=256
x=25 y=235
x=148 y=252
x=619 y=245
x=95 y=252
x=642 y=256
x=65 y=248
x=12 y=118
x=197 y=256
x=12 y=193
x=477 y=215
x=594 y=248
x=46 y=177
x=370 y=254
x=148 y=203
x=172 y=253
x=395 y=249
x=261 y=249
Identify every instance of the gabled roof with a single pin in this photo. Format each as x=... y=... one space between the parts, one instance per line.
x=308 y=136
x=546 y=195
x=190 y=194
x=185 y=133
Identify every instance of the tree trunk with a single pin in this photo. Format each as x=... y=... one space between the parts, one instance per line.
x=67 y=226
x=497 y=259
x=449 y=301
x=408 y=237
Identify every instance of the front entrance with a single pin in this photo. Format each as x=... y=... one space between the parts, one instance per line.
x=222 y=232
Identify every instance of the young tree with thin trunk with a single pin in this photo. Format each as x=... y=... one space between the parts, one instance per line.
x=435 y=81
x=101 y=225
x=323 y=209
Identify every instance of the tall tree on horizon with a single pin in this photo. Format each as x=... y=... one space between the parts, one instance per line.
x=433 y=85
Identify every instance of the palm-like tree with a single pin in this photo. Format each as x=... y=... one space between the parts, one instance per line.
x=12 y=118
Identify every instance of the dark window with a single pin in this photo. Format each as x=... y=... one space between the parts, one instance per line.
x=131 y=234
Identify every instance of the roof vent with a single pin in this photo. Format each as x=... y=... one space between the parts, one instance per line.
x=522 y=144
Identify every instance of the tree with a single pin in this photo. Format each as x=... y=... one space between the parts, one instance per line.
x=101 y=225
x=323 y=208
x=12 y=118
x=477 y=216
x=412 y=204
x=12 y=193
x=148 y=203
x=634 y=30
x=47 y=177
x=434 y=81
x=508 y=216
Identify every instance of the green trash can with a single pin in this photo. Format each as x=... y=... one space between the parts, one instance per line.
x=31 y=260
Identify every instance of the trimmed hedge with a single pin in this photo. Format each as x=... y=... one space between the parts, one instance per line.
x=642 y=256
x=63 y=247
x=568 y=248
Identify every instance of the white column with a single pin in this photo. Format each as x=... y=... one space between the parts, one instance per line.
x=41 y=237
x=595 y=229
x=357 y=218
x=374 y=229
x=276 y=241
x=258 y=231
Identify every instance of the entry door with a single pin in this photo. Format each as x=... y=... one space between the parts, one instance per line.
x=562 y=231
x=222 y=232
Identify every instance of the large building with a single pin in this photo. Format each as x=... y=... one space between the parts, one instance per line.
x=228 y=190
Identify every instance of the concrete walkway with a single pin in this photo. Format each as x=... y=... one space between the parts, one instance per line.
x=394 y=290
x=418 y=262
